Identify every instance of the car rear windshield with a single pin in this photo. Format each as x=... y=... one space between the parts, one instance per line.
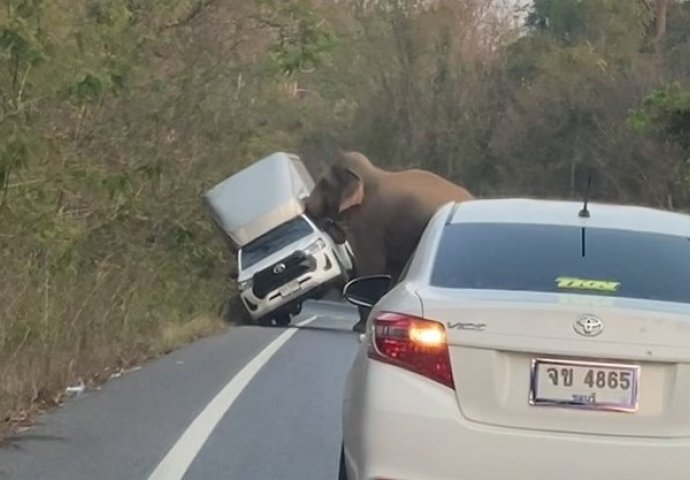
x=271 y=242
x=548 y=258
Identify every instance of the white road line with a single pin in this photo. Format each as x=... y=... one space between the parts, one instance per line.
x=180 y=456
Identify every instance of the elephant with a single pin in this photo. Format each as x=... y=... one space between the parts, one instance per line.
x=382 y=214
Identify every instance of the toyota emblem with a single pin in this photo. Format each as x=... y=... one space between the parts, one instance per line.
x=588 y=325
x=278 y=269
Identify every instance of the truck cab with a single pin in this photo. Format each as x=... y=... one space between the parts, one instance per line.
x=283 y=258
x=291 y=263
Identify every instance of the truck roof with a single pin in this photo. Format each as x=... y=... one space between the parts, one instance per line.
x=260 y=197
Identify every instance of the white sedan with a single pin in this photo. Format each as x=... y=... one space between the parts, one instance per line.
x=527 y=341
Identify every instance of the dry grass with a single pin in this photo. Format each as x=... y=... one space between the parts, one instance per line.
x=61 y=327
x=172 y=336
x=108 y=256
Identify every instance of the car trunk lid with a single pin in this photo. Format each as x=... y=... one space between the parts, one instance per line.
x=496 y=337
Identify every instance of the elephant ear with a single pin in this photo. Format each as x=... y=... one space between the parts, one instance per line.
x=352 y=192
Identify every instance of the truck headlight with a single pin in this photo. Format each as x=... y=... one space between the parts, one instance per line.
x=245 y=284
x=319 y=244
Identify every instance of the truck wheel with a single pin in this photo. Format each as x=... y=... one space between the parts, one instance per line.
x=265 y=322
x=318 y=293
x=296 y=309
x=232 y=311
x=334 y=293
x=283 y=319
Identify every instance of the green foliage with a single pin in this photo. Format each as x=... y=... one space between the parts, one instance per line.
x=665 y=112
x=562 y=18
x=304 y=41
x=620 y=24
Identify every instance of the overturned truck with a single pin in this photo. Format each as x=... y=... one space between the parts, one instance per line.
x=283 y=258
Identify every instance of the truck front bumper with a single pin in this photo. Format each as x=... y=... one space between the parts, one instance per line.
x=308 y=285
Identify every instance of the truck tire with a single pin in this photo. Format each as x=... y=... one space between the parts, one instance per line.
x=334 y=294
x=282 y=319
x=232 y=311
x=296 y=309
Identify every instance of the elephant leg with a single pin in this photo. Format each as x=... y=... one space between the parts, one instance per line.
x=363 y=315
x=392 y=269
x=363 y=312
x=371 y=264
x=394 y=272
x=369 y=251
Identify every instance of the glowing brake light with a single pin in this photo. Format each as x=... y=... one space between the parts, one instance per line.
x=431 y=336
x=416 y=344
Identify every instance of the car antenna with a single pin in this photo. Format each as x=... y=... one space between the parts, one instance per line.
x=584 y=213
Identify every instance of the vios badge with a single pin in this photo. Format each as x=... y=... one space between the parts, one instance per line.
x=278 y=269
x=588 y=325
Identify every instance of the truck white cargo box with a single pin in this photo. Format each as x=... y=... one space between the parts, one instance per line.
x=260 y=197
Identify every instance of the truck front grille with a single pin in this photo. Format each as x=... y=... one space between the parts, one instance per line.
x=281 y=272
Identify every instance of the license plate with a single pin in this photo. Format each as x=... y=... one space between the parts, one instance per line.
x=289 y=289
x=588 y=385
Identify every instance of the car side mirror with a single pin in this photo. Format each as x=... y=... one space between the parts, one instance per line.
x=366 y=291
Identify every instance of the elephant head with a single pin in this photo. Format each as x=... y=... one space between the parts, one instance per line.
x=385 y=212
x=338 y=190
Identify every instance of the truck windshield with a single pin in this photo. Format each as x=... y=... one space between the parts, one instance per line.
x=274 y=240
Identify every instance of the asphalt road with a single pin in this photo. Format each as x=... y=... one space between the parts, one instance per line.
x=253 y=403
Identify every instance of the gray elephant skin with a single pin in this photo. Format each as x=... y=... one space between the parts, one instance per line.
x=381 y=213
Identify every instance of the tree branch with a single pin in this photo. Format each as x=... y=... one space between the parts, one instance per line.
x=660 y=15
x=195 y=11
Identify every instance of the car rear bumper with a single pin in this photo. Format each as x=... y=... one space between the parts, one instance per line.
x=401 y=426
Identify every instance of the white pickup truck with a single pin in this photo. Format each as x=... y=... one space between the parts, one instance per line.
x=283 y=258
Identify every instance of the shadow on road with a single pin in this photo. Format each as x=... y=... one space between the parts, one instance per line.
x=14 y=442
x=321 y=328
x=339 y=330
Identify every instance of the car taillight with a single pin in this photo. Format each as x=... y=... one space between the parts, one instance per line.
x=416 y=344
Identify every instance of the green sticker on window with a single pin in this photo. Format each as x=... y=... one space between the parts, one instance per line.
x=587 y=284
